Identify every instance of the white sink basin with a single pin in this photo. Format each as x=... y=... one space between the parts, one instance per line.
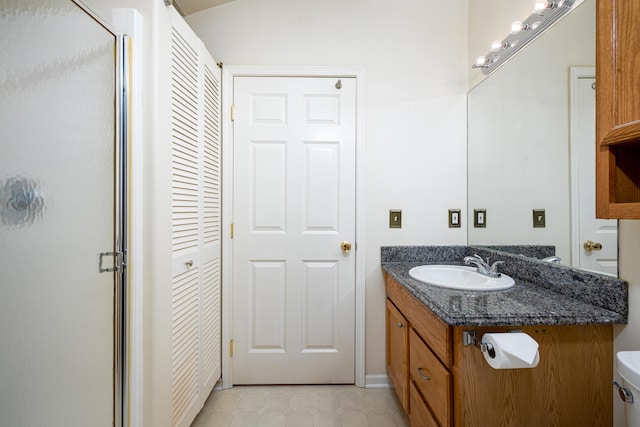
x=459 y=277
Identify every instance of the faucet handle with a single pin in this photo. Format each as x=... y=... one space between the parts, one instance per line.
x=481 y=259
x=494 y=268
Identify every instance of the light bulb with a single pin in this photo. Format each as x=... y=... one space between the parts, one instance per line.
x=540 y=5
x=516 y=26
x=480 y=60
x=496 y=45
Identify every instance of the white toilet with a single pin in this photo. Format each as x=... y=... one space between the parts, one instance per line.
x=629 y=370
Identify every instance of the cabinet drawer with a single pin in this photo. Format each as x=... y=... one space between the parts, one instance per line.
x=420 y=415
x=431 y=379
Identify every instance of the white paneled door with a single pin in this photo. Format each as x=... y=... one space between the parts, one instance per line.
x=602 y=255
x=294 y=219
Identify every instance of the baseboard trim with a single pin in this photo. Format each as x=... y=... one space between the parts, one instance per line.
x=377 y=381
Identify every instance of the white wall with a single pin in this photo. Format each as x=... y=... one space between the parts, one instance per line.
x=415 y=130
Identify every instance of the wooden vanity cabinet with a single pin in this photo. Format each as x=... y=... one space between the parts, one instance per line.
x=444 y=383
x=618 y=109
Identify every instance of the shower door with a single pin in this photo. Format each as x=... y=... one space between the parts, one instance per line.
x=59 y=152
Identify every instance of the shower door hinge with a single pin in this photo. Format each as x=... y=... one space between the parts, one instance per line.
x=231 y=348
x=118 y=262
x=233 y=113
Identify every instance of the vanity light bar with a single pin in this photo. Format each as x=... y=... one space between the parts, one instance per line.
x=522 y=33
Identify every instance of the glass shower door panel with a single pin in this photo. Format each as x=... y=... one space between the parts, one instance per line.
x=57 y=139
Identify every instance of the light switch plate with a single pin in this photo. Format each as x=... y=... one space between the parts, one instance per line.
x=480 y=218
x=395 y=218
x=454 y=218
x=539 y=218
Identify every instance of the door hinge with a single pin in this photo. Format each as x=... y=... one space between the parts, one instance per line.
x=233 y=230
x=233 y=113
x=231 y=348
x=117 y=265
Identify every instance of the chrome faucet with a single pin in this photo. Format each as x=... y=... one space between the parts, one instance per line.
x=552 y=259
x=483 y=266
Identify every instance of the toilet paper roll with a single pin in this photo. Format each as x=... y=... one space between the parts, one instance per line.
x=513 y=350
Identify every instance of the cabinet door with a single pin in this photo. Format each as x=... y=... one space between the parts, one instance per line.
x=397 y=353
x=618 y=109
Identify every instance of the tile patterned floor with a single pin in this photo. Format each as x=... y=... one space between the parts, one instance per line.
x=302 y=406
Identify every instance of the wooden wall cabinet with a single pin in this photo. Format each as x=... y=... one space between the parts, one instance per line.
x=617 y=109
x=450 y=384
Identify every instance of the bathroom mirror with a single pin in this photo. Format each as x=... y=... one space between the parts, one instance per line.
x=531 y=149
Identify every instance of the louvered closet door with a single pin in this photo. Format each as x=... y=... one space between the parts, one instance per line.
x=210 y=319
x=195 y=98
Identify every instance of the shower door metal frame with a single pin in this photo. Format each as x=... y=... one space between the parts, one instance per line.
x=120 y=389
x=121 y=143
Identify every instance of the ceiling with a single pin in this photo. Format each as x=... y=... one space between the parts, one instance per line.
x=188 y=7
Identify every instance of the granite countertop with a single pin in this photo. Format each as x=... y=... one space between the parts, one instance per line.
x=526 y=303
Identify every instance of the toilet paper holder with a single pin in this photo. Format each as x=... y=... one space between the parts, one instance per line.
x=469 y=338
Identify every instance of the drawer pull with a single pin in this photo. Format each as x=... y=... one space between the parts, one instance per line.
x=426 y=377
x=189 y=263
x=400 y=325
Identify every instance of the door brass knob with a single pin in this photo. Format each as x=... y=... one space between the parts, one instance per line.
x=592 y=246
x=345 y=247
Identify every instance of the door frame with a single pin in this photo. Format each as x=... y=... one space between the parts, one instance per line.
x=228 y=75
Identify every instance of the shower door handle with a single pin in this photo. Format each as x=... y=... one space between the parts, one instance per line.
x=118 y=262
